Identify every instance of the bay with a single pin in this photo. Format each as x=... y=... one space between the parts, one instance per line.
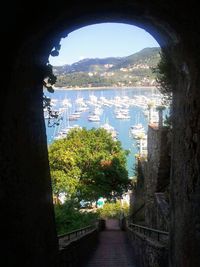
x=122 y=126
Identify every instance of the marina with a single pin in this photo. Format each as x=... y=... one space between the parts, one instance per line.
x=122 y=112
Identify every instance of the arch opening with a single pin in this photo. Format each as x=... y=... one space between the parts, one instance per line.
x=73 y=93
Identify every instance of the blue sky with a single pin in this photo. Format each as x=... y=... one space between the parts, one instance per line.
x=101 y=41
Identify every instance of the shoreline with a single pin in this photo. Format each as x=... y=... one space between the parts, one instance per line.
x=103 y=87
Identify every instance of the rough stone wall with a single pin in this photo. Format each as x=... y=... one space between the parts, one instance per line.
x=77 y=253
x=138 y=201
x=158 y=176
x=153 y=160
x=161 y=206
x=153 y=176
x=159 y=148
x=148 y=252
x=185 y=173
x=165 y=160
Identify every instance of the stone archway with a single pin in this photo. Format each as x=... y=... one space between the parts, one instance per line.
x=25 y=182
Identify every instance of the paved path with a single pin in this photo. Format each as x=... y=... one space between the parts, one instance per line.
x=113 y=250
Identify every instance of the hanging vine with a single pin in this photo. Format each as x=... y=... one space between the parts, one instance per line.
x=49 y=80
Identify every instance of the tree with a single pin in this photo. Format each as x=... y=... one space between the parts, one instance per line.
x=88 y=164
x=165 y=76
x=64 y=172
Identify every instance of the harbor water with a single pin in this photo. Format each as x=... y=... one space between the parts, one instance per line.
x=108 y=102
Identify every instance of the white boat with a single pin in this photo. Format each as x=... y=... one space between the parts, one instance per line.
x=75 y=115
x=94 y=118
x=82 y=109
x=122 y=116
x=122 y=113
x=121 y=110
x=81 y=105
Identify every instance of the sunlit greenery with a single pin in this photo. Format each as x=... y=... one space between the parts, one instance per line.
x=88 y=164
x=70 y=217
x=113 y=210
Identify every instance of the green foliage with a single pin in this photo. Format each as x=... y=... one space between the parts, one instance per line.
x=49 y=81
x=88 y=164
x=147 y=55
x=50 y=78
x=80 y=79
x=113 y=210
x=53 y=116
x=165 y=75
x=69 y=218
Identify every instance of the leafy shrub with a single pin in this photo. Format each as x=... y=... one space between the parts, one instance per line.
x=113 y=210
x=69 y=218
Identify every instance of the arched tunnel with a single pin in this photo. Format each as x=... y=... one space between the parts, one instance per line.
x=30 y=32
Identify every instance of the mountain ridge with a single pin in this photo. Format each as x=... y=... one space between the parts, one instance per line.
x=135 y=69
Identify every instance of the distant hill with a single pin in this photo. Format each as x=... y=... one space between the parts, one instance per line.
x=149 y=56
x=85 y=65
x=132 y=70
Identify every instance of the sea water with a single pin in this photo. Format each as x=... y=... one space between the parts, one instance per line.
x=122 y=126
